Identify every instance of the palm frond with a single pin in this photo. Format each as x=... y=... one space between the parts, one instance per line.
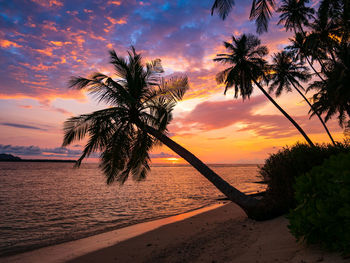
x=261 y=12
x=223 y=7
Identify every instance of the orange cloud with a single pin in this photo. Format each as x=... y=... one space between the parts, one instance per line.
x=47 y=95
x=40 y=67
x=115 y=21
x=49 y=25
x=48 y=3
x=60 y=43
x=7 y=43
x=26 y=106
x=114 y=3
x=47 y=51
x=43 y=83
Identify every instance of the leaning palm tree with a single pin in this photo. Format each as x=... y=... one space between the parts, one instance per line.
x=141 y=104
x=284 y=73
x=294 y=16
x=333 y=94
x=302 y=51
x=248 y=69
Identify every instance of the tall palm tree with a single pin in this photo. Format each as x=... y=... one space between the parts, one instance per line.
x=301 y=51
x=322 y=41
x=295 y=14
x=284 y=73
x=333 y=94
x=248 y=68
x=141 y=104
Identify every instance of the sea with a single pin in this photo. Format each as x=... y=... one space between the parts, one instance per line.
x=43 y=204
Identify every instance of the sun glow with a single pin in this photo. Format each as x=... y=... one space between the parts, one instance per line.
x=172 y=160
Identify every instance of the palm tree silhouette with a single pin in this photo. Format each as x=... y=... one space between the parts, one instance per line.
x=248 y=68
x=333 y=94
x=295 y=14
x=223 y=7
x=141 y=104
x=302 y=51
x=284 y=73
x=261 y=11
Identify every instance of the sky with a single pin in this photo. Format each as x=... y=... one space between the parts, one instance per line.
x=45 y=42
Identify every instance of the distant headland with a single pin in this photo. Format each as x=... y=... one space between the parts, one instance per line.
x=11 y=158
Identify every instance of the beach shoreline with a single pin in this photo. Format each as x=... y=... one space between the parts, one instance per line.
x=221 y=234
x=61 y=252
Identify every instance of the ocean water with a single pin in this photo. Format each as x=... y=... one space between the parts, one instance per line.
x=47 y=203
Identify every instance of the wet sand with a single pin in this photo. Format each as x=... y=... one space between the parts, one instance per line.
x=224 y=234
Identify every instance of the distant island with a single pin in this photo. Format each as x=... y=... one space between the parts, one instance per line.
x=11 y=158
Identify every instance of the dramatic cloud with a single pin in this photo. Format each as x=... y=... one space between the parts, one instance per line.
x=212 y=115
x=43 y=43
x=17 y=125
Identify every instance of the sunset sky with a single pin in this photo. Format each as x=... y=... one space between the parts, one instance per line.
x=45 y=42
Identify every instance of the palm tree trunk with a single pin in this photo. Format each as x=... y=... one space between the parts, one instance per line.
x=284 y=113
x=308 y=61
x=318 y=74
x=254 y=208
x=318 y=115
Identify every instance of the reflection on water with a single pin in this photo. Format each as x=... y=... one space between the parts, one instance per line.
x=47 y=203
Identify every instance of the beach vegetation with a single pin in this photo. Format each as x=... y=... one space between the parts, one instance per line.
x=282 y=169
x=322 y=213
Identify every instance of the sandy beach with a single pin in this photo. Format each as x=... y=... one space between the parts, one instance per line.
x=223 y=234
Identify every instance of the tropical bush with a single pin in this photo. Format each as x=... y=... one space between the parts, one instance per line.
x=281 y=170
x=322 y=214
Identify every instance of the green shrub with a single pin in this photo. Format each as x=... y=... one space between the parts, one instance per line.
x=281 y=169
x=322 y=214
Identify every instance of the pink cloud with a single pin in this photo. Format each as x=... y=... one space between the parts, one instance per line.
x=212 y=115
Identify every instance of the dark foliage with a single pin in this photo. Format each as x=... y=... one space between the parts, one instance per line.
x=322 y=214
x=281 y=169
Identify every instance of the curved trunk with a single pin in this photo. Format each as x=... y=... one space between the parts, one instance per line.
x=318 y=115
x=318 y=74
x=308 y=61
x=254 y=208
x=296 y=125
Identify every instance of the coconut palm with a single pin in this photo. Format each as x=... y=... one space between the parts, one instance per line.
x=248 y=68
x=301 y=51
x=333 y=94
x=285 y=74
x=322 y=41
x=141 y=104
x=295 y=14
